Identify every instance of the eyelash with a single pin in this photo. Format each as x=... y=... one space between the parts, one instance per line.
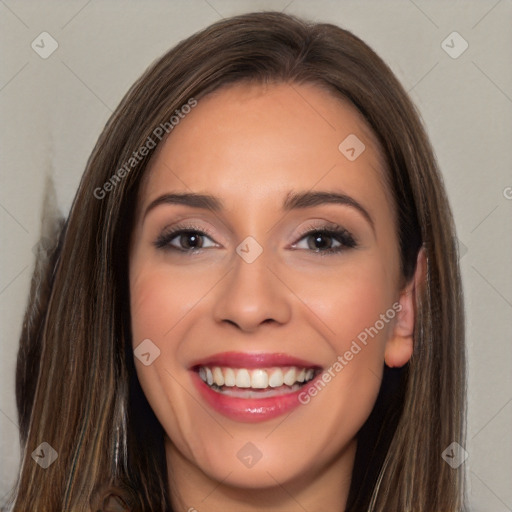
x=344 y=237
x=164 y=240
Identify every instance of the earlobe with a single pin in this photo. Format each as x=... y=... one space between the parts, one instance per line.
x=400 y=346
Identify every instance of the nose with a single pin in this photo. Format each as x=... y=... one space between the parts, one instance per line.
x=252 y=294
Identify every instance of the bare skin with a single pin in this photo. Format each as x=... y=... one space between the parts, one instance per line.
x=250 y=146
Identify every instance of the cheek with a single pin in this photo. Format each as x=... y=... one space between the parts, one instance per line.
x=159 y=303
x=352 y=306
x=350 y=302
x=160 y=299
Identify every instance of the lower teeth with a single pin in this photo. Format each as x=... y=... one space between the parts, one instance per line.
x=255 y=393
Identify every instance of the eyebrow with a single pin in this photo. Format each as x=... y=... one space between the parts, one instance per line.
x=310 y=199
x=293 y=201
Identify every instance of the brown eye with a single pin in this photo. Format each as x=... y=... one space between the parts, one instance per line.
x=184 y=240
x=320 y=241
x=327 y=241
x=190 y=240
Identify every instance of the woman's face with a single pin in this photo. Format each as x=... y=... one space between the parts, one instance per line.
x=281 y=288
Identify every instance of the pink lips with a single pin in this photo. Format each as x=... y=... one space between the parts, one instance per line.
x=250 y=410
x=257 y=360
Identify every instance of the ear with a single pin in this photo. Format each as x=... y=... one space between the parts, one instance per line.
x=400 y=345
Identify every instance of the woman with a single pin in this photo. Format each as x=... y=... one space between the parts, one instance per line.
x=192 y=344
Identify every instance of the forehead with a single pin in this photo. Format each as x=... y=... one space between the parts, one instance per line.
x=254 y=142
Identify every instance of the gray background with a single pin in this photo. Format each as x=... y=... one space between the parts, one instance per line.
x=54 y=109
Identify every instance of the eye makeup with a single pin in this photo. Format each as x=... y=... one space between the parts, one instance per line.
x=192 y=236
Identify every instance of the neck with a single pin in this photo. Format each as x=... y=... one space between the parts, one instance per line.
x=326 y=488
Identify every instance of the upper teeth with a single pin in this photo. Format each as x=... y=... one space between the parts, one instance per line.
x=259 y=378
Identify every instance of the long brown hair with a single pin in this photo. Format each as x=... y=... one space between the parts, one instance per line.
x=76 y=384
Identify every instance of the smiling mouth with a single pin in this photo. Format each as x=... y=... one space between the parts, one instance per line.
x=256 y=382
